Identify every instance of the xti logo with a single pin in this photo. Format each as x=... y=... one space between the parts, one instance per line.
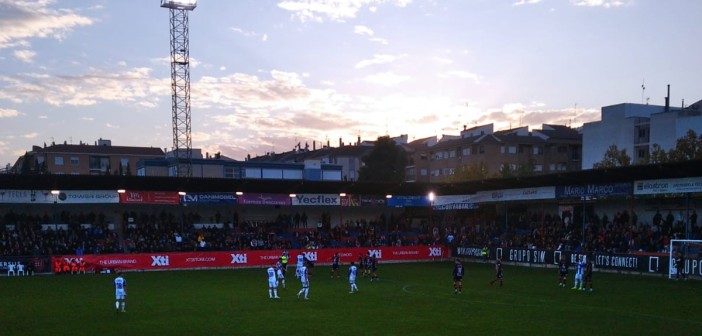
x=311 y=256
x=376 y=253
x=159 y=261
x=435 y=252
x=239 y=258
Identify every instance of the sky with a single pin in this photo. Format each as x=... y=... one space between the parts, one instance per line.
x=269 y=74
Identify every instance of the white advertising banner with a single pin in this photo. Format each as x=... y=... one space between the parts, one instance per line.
x=668 y=186
x=316 y=199
x=88 y=196
x=64 y=196
x=523 y=194
x=455 y=202
x=26 y=196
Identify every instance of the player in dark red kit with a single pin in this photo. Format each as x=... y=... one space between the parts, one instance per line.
x=368 y=263
x=588 y=273
x=458 y=272
x=562 y=272
x=373 y=268
x=498 y=272
x=335 y=265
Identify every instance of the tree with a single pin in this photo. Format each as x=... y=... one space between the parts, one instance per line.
x=526 y=168
x=385 y=163
x=614 y=157
x=657 y=155
x=506 y=171
x=25 y=167
x=689 y=147
x=473 y=172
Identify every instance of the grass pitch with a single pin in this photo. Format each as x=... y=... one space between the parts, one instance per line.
x=409 y=299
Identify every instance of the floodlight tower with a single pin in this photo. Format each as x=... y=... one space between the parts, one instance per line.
x=180 y=83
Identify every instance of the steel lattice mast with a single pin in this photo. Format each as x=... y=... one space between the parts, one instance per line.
x=180 y=84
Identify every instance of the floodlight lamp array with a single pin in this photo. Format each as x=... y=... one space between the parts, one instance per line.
x=179 y=4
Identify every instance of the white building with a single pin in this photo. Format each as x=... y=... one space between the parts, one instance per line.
x=636 y=127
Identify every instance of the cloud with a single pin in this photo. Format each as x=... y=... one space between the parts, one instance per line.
x=378 y=40
x=386 y=78
x=247 y=33
x=25 y=55
x=32 y=135
x=377 y=59
x=133 y=86
x=600 y=3
x=525 y=2
x=24 y=20
x=463 y=75
x=442 y=60
x=8 y=113
x=332 y=10
x=362 y=30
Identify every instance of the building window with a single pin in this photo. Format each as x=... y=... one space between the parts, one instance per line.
x=410 y=172
x=512 y=149
x=466 y=151
x=423 y=156
x=58 y=161
x=537 y=150
x=502 y=149
x=423 y=172
x=124 y=162
x=436 y=172
x=641 y=153
x=481 y=149
x=228 y=172
x=452 y=154
x=74 y=160
x=538 y=168
x=575 y=154
x=562 y=149
x=552 y=167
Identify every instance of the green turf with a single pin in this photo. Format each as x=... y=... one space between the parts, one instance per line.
x=410 y=299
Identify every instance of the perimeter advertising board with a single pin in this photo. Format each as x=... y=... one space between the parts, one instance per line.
x=255 y=258
x=642 y=263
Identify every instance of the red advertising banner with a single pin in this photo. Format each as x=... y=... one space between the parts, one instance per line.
x=149 y=197
x=254 y=258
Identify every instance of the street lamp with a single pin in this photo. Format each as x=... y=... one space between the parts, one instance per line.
x=431 y=197
x=181 y=195
x=55 y=193
x=341 y=208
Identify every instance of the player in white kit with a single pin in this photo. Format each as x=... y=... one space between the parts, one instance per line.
x=579 y=270
x=304 y=279
x=120 y=293
x=300 y=264
x=272 y=283
x=353 y=270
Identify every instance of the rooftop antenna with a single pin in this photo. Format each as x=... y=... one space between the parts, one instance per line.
x=643 y=91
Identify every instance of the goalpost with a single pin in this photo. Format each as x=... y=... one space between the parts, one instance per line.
x=689 y=249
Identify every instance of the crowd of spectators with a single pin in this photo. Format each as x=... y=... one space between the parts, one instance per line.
x=25 y=234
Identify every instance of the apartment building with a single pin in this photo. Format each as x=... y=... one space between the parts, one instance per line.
x=552 y=148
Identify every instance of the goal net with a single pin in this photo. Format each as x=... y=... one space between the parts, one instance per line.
x=684 y=257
